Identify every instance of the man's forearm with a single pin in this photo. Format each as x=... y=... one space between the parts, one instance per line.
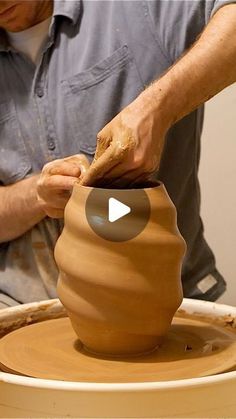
x=19 y=209
x=206 y=69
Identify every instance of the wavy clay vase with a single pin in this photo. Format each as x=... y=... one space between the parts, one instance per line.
x=121 y=296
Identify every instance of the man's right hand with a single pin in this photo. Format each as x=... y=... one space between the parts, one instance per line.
x=56 y=181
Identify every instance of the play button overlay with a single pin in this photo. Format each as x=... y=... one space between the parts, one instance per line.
x=117 y=210
x=117 y=215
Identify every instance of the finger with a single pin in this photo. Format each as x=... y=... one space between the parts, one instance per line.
x=64 y=168
x=123 y=169
x=70 y=166
x=129 y=177
x=56 y=182
x=80 y=160
x=98 y=169
x=120 y=170
x=121 y=178
x=102 y=145
x=84 y=165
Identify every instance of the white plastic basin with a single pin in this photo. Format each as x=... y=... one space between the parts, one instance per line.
x=208 y=397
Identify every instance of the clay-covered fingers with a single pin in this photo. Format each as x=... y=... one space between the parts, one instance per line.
x=69 y=166
x=117 y=152
x=123 y=152
x=130 y=146
x=53 y=193
x=103 y=142
x=48 y=183
x=126 y=179
x=56 y=182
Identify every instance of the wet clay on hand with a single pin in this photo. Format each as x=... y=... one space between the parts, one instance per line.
x=129 y=147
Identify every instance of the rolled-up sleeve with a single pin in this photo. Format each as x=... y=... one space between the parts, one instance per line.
x=217 y=4
x=178 y=23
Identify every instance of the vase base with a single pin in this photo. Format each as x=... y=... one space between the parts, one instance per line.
x=126 y=353
x=116 y=344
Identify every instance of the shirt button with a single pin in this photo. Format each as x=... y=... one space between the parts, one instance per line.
x=39 y=92
x=51 y=144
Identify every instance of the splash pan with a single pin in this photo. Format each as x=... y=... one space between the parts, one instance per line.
x=191 y=375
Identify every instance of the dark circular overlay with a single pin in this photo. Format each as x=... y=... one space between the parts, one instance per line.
x=128 y=226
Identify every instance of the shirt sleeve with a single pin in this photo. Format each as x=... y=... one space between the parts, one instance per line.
x=177 y=24
x=217 y=4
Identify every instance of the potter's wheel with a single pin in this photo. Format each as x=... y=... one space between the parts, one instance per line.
x=51 y=350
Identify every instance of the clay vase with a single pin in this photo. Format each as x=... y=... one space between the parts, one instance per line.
x=121 y=296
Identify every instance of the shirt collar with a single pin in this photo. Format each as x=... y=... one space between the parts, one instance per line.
x=67 y=8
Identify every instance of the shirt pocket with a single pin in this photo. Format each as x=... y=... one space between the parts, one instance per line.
x=14 y=162
x=94 y=96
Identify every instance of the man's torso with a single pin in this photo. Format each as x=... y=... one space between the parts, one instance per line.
x=99 y=57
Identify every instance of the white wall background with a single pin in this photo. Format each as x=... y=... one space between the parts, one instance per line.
x=218 y=185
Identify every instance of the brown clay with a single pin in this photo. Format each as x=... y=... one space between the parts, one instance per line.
x=121 y=296
x=51 y=350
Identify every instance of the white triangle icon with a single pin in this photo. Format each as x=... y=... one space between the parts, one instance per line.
x=117 y=210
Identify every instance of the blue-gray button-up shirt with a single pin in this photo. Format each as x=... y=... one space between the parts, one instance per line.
x=99 y=56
